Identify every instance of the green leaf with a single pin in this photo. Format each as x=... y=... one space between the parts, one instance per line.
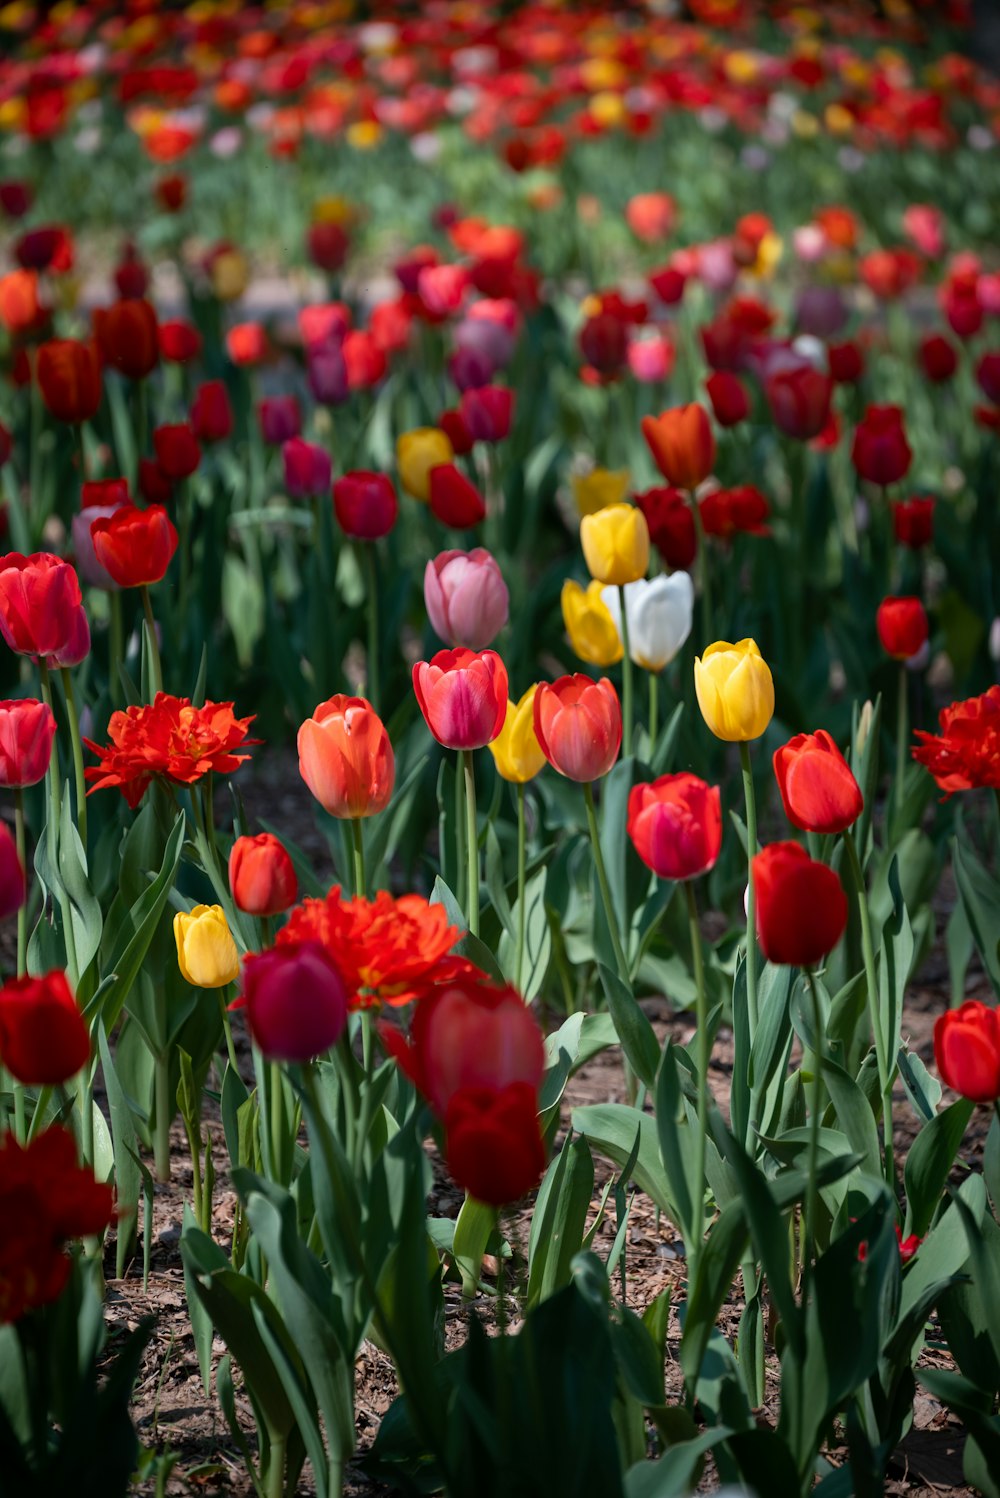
x=678 y=1469
x=929 y=1162
x=895 y=960
x=979 y=893
x=537 y=938
x=128 y=1181
x=634 y=1030
x=611 y=1129
x=475 y=1222
x=559 y=1220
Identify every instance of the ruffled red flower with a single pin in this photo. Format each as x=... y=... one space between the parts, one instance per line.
x=169 y=739
x=965 y=756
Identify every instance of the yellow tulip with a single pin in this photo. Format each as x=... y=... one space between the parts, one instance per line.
x=229 y=274
x=735 y=690
x=364 y=135
x=516 y=751
x=206 y=952
x=599 y=488
x=417 y=452
x=615 y=544
x=589 y=624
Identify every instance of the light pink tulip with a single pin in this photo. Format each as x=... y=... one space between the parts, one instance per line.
x=466 y=597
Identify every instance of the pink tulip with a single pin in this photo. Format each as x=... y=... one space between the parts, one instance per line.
x=466 y=597
x=463 y=696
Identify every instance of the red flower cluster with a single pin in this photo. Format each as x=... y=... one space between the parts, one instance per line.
x=388 y=950
x=46 y=1200
x=965 y=756
x=726 y=511
x=169 y=739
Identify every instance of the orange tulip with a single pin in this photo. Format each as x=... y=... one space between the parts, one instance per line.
x=682 y=443
x=346 y=759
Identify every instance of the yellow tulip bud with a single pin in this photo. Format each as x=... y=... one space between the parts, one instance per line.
x=591 y=629
x=615 y=544
x=230 y=274
x=735 y=690
x=206 y=952
x=417 y=452
x=599 y=488
x=516 y=751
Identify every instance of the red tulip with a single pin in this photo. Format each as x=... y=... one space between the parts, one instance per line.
x=171 y=192
x=801 y=905
x=454 y=499
x=967 y=1051
x=846 y=361
x=799 y=400
x=730 y=402
x=246 y=344
x=135 y=546
x=913 y=522
x=364 y=361
x=493 y=1144
x=880 y=451
x=676 y=825
x=295 y=1000
x=458 y=434
x=307 y=468
x=261 y=875
x=902 y=627
x=179 y=341
x=126 y=335
x=988 y=377
x=604 y=344
x=279 y=419
x=41 y=608
x=463 y=696
x=346 y=758
x=818 y=788
x=682 y=444
x=938 y=358
x=211 y=413
x=13 y=887
x=671 y=525
x=69 y=378
x=487 y=412
x=27 y=729
x=43 y=1037
x=365 y=504
x=578 y=724
x=328 y=245
x=177 y=451
x=154 y=486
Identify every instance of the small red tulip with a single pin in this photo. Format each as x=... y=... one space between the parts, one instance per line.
x=211 y=413
x=913 y=522
x=307 y=468
x=799 y=400
x=938 y=358
x=967 y=1051
x=365 y=504
x=671 y=525
x=454 y=499
x=179 y=341
x=177 y=451
x=126 y=335
x=261 y=875
x=44 y=1040
x=69 y=378
x=346 y=758
x=902 y=627
x=135 y=546
x=27 y=729
x=730 y=402
x=487 y=412
x=880 y=451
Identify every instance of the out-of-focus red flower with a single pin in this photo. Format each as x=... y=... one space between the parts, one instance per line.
x=938 y=358
x=135 y=546
x=211 y=413
x=20 y=307
x=670 y=521
x=171 y=192
x=13 y=885
x=682 y=444
x=988 y=377
x=41 y=608
x=799 y=400
x=246 y=344
x=346 y=759
x=364 y=360
x=604 y=344
x=924 y=226
x=493 y=1144
x=578 y=724
x=16 y=198
x=365 y=504
x=46 y=1199
x=726 y=511
x=730 y=402
x=261 y=875
x=279 y=419
x=177 y=450
x=846 y=362
x=889 y=273
x=880 y=451
x=463 y=696
x=913 y=521
x=328 y=244
x=154 y=486
x=902 y=627
x=131 y=273
x=487 y=412
x=44 y=1040
x=47 y=248
x=668 y=284
x=458 y=434
x=652 y=216
x=818 y=789
x=965 y=755
x=295 y=1000
x=307 y=468
x=169 y=739
x=179 y=341
x=27 y=729
x=801 y=905
x=967 y=1051
x=126 y=334
x=69 y=378
x=454 y=499
x=675 y=825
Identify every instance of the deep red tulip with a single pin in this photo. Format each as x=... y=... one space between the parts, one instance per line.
x=818 y=789
x=487 y=412
x=126 y=335
x=458 y=434
x=279 y=419
x=846 y=362
x=211 y=413
x=454 y=499
x=69 y=378
x=463 y=696
x=154 y=486
x=179 y=341
x=177 y=451
x=365 y=504
x=307 y=468
x=682 y=443
x=13 y=886
x=27 y=729
x=604 y=344
x=801 y=905
x=880 y=451
x=902 y=627
x=578 y=724
x=675 y=825
x=41 y=608
x=725 y=512
x=988 y=376
x=493 y=1144
x=295 y=1000
x=799 y=400
x=328 y=245
x=913 y=522
x=967 y=1051
x=938 y=358
x=671 y=525
x=135 y=546
x=261 y=875
x=730 y=402
x=44 y=1040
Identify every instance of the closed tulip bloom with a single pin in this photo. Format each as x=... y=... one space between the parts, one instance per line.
x=454 y=499
x=466 y=597
x=818 y=789
x=135 y=546
x=211 y=413
x=735 y=690
x=599 y=489
x=69 y=378
x=800 y=401
x=307 y=468
x=676 y=825
x=880 y=451
x=179 y=341
x=13 y=887
x=801 y=905
x=659 y=613
x=44 y=1040
x=177 y=450
x=902 y=627
x=417 y=452
x=346 y=759
x=730 y=402
x=682 y=444
x=493 y=1143
x=41 y=608
x=279 y=418
x=615 y=544
x=590 y=625
x=938 y=358
x=671 y=525
x=913 y=521
x=487 y=412
x=27 y=729
x=127 y=337
x=206 y=952
x=967 y=1051
x=295 y=1001
x=516 y=751
x=578 y=723
x=261 y=875
x=463 y=696
x=365 y=504
x=104 y=500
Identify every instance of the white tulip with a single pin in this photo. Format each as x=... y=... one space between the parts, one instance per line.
x=659 y=614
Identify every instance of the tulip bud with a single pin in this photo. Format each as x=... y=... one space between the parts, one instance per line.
x=295 y=999
x=27 y=729
x=735 y=690
x=454 y=500
x=206 y=952
x=279 y=419
x=365 y=504
x=880 y=451
x=902 y=627
x=516 y=751
x=211 y=413
x=967 y=1051
x=177 y=450
x=261 y=875
x=590 y=625
x=615 y=544
x=864 y=726
x=346 y=759
x=466 y=597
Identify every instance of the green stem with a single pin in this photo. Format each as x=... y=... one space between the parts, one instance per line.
x=701 y=1015
x=85 y=1099
x=812 y=1190
x=154 y=649
x=357 y=836
x=602 y=881
x=654 y=709
x=626 y=678
x=874 y=1007
x=471 y=838
x=751 y=809
x=164 y=1118
x=277 y=1123
x=276 y=1467
x=116 y=645
x=704 y=574
x=460 y=864
x=522 y=914
x=76 y=744
x=371 y=609
x=228 y=1029
x=22 y=858
x=902 y=735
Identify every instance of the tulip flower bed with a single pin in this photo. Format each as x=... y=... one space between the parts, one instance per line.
x=500 y=733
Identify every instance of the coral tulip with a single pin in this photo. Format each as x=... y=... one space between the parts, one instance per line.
x=346 y=759
x=261 y=875
x=801 y=905
x=578 y=723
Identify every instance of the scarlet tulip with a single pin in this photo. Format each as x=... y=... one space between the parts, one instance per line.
x=13 y=887
x=801 y=905
x=211 y=413
x=454 y=499
x=41 y=608
x=365 y=504
x=261 y=875
x=493 y=1144
x=675 y=825
x=730 y=402
x=43 y=1038
x=179 y=341
x=246 y=344
x=135 y=546
x=818 y=788
x=126 y=335
x=69 y=378
x=967 y=1051
x=295 y=1000
x=880 y=451
x=463 y=696
x=27 y=729
x=682 y=444
x=902 y=627
x=466 y=597
x=346 y=759
x=578 y=723
x=671 y=525
x=177 y=451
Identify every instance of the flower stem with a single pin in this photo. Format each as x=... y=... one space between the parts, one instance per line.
x=704 y=576
x=55 y=788
x=154 y=648
x=522 y=914
x=164 y=1118
x=751 y=809
x=874 y=1009
x=902 y=735
x=626 y=678
x=76 y=743
x=371 y=609
x=654 y=709
x=812 y=1190
x=701 y=1016
x=471 y=838
x=357 y=836
x=116 y=645
x=602 y=881
x=22 y=858
x=227 y=1028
